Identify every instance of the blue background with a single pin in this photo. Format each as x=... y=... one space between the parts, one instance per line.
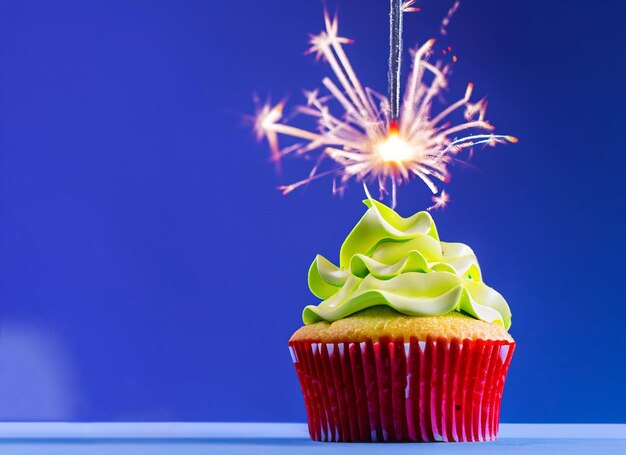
x=150 y=270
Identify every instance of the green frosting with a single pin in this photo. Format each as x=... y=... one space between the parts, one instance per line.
x=400 y=262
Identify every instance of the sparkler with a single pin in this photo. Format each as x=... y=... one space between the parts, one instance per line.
x=395 y=59
x=374 y=138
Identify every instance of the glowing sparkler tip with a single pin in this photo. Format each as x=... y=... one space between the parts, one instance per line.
x=394 y=149
x=512 y=139
x=394 y=126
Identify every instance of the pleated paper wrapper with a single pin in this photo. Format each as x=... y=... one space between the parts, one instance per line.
x=392 y=390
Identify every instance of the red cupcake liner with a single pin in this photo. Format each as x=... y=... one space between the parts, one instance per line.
x=389 y=390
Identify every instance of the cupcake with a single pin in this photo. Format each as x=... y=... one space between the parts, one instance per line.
x=408 y=343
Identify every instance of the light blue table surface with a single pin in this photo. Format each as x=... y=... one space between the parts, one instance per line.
x=181 y=438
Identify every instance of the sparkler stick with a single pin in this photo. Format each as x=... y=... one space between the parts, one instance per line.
x=395 y=59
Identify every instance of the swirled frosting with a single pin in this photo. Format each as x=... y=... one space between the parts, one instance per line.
x=400 y=262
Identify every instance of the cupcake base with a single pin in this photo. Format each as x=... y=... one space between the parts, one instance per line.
x=392 y=390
